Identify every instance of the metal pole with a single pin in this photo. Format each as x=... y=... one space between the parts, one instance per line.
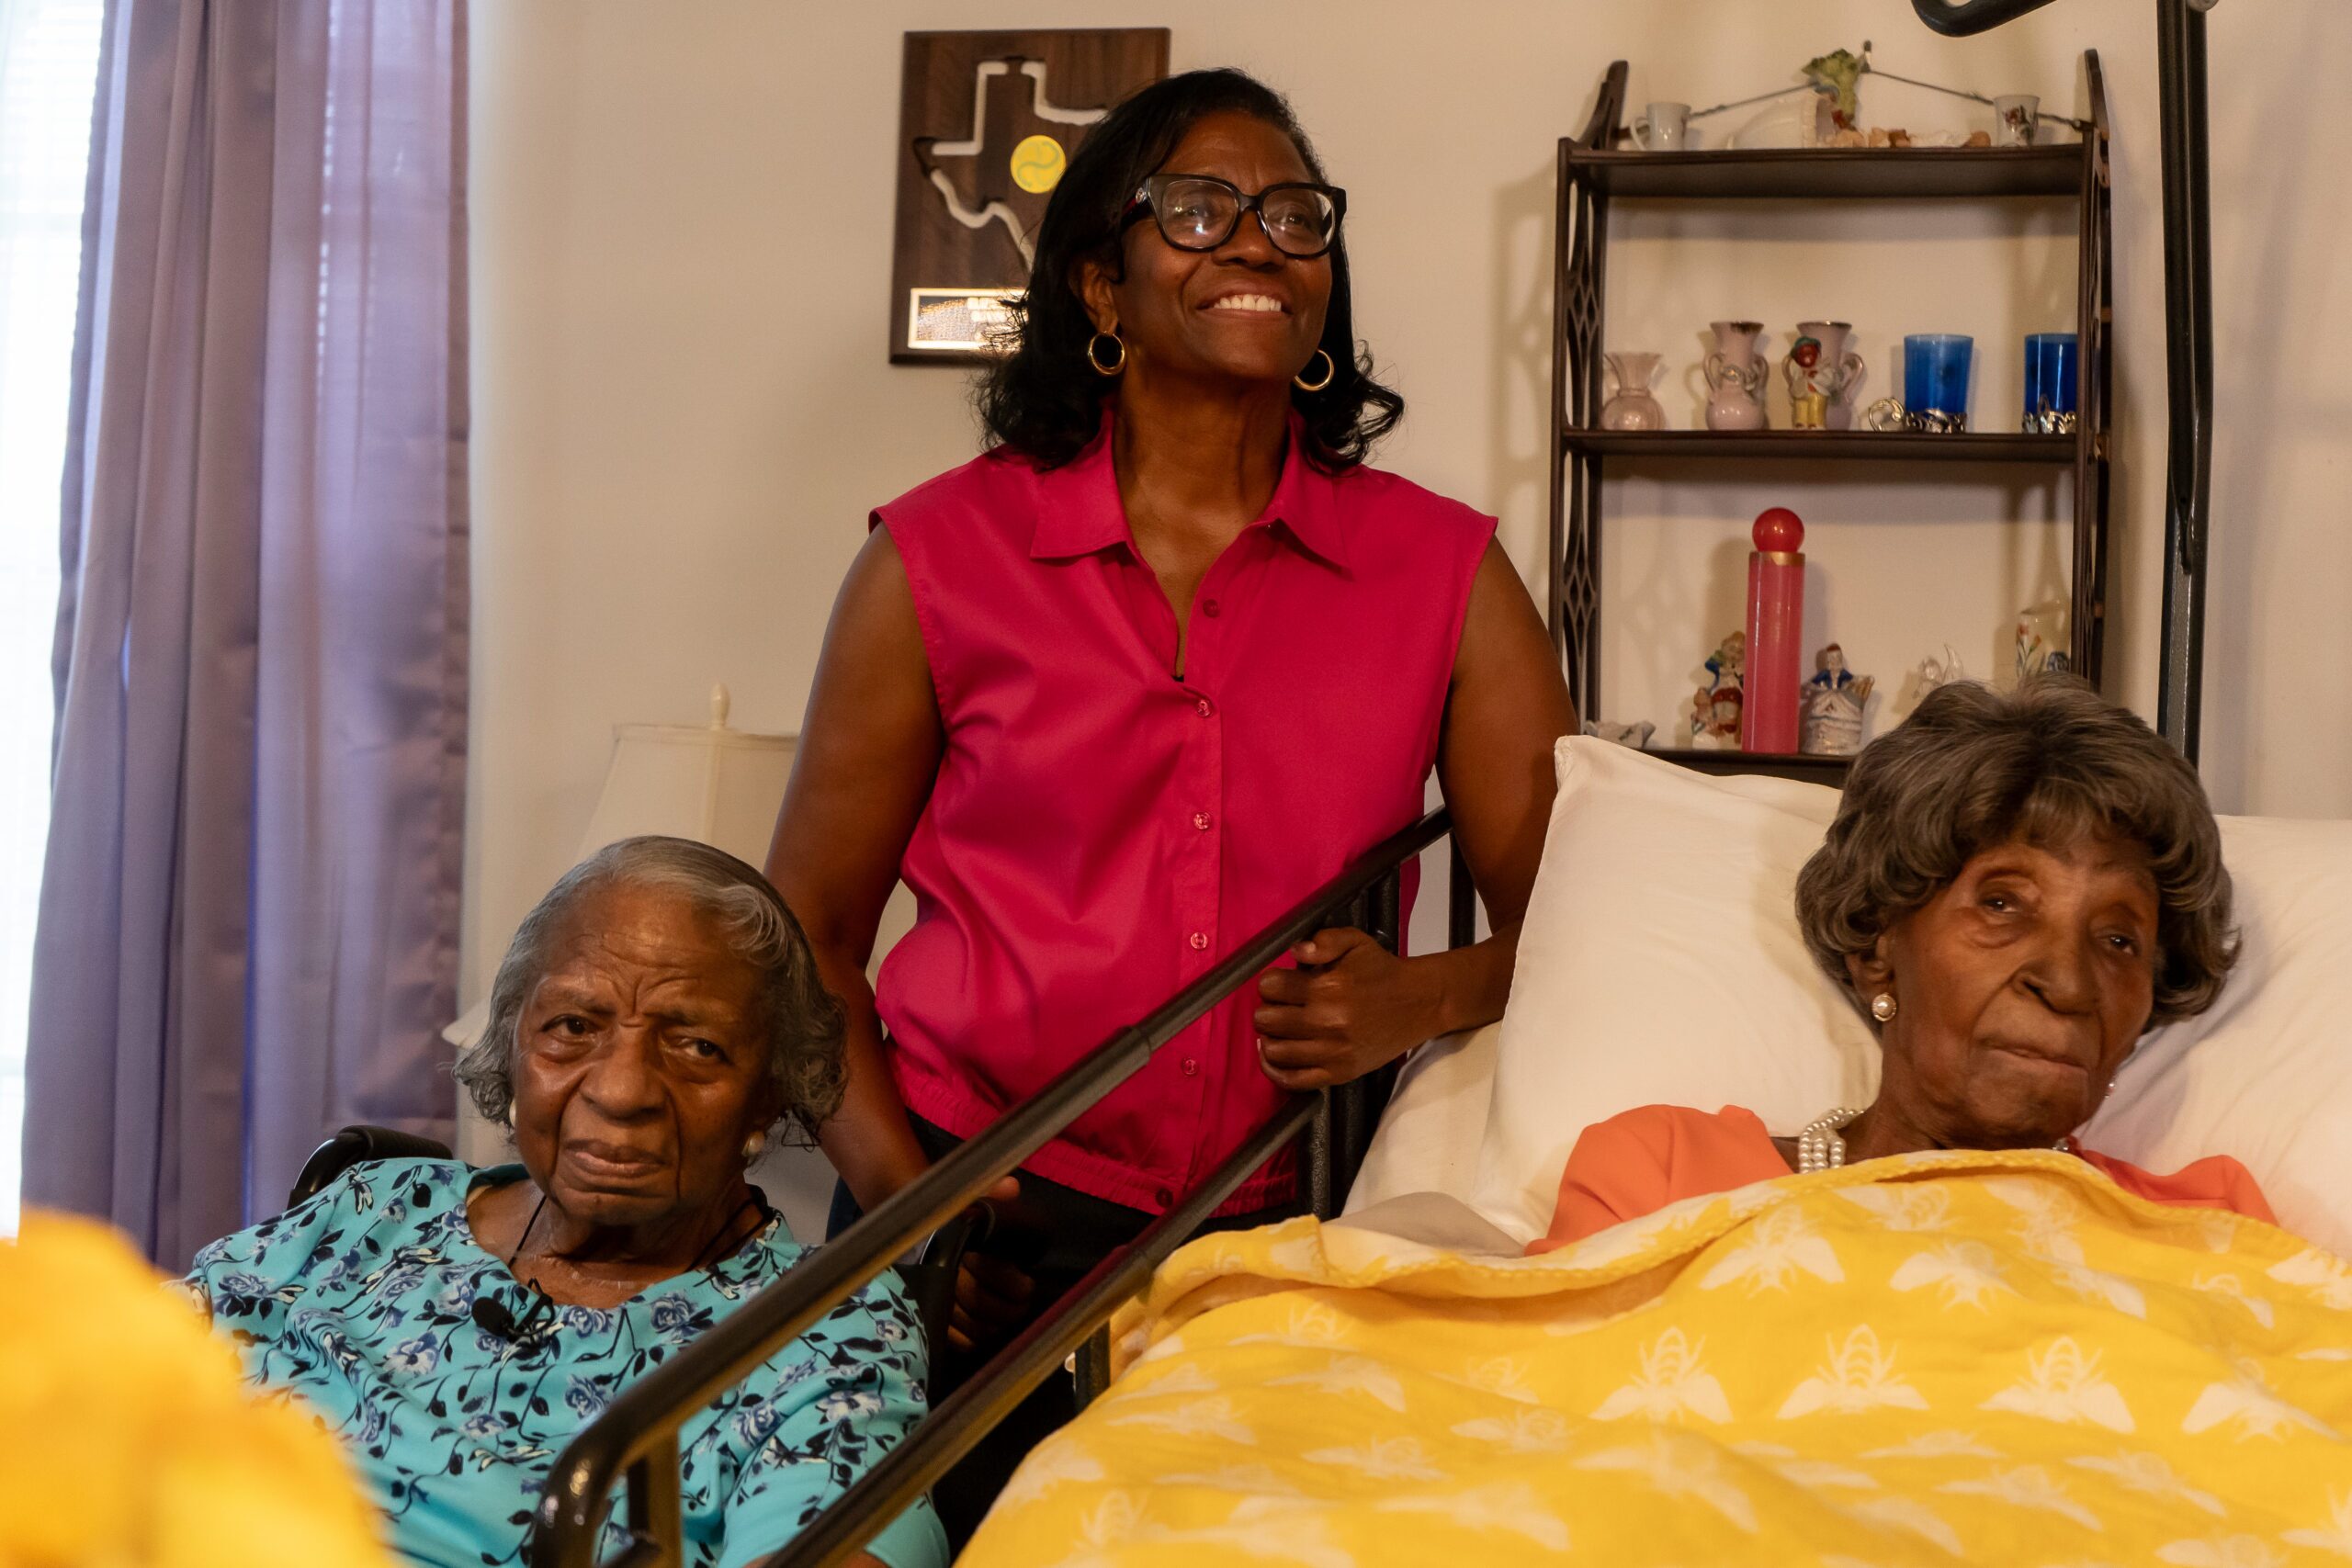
x=2189 y=368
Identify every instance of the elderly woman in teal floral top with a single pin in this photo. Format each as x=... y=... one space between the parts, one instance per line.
x=657 y=1014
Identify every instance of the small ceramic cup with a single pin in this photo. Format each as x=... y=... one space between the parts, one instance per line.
x=1663 y=127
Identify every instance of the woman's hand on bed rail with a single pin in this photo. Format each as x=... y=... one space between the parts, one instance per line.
x=1350 y=1006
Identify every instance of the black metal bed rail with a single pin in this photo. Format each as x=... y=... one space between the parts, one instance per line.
x=967 y=1415
x=636 y=1439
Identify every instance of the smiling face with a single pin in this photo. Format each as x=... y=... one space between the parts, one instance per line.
x=641 y=1063
x=1243 y=311
x=2021 y=988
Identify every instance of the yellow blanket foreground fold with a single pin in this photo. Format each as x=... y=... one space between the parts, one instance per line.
x=1995 y=1358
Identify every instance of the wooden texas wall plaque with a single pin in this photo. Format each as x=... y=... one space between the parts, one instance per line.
x=987 y=122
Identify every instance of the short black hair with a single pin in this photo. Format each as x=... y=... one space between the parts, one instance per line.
x=1042 y=400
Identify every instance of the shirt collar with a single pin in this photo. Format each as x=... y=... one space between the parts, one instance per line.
x=1078 y=510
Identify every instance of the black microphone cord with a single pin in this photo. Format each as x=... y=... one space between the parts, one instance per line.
x=493 y=1317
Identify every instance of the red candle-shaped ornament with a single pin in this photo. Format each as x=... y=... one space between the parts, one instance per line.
x=1775 y=626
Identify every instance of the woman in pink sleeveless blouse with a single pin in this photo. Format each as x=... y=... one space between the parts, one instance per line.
x=1117 y=693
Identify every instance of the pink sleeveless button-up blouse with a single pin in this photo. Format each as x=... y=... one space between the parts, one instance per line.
x=1103 y=831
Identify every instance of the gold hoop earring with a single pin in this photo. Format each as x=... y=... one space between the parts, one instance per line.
x=1330 y=368
x=1095 y=359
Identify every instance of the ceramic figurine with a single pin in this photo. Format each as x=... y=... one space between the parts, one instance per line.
x=1834 y=701
x=1715 y=707
x=1822 y=376
x=1633 y=406
x=1728 y=664
x=1735 y=377
x=1715 y=720
x=1636 y=734
x=2042 y=640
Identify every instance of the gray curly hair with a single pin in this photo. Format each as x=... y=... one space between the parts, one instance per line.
x=1973 y=769
x=803 y=1021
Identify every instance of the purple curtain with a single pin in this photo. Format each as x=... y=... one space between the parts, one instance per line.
x=249 y=920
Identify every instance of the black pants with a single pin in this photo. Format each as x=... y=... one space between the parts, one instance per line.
x=1054 y=1234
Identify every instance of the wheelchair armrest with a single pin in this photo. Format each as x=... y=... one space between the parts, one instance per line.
x=354 y=1145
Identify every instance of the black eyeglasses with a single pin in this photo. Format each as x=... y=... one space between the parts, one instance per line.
x=1200 y=212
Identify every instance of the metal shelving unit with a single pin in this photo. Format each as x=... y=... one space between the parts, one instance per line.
x=1596 y=167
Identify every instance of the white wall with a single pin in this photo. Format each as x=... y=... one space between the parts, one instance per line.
x=680 y=245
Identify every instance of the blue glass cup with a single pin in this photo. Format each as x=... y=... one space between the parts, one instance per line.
x=2050 y=381
x=1935 y=379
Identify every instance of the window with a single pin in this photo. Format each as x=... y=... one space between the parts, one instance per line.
x=49 y=59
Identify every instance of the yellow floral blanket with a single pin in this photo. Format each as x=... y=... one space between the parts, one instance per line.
x=1946 y=1357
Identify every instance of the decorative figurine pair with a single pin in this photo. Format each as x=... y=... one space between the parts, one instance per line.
x=1820 y=373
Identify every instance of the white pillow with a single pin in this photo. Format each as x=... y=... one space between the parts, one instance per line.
x=1660 y=965
x=1429 y=1137
x=2266 y=1074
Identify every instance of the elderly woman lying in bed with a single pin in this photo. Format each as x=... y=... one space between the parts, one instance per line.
x=1962 y=1345
x=2015 y=889
x=657 y=1015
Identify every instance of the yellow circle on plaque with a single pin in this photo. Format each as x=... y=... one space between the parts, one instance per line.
x=1037 y=165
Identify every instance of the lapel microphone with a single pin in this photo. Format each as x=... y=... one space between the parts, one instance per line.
x=493 y=1317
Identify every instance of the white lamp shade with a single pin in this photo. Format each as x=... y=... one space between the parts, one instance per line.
x=717 y=785
x=710 y=783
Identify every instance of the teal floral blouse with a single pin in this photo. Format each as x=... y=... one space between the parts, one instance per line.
x=361 y=1302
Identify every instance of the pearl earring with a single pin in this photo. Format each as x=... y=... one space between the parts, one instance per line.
x=752 y=1145
x=1883 y=1006
x=510 y=1115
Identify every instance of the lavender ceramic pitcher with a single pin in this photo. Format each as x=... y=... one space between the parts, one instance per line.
x=1735 y=377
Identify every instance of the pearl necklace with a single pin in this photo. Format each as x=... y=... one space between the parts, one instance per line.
x=1818 y=1146
x=1820 y=1149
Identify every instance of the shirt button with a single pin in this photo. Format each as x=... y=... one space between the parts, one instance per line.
x=1208 y=608
x=1199 y=940
x=1201 y=820
x=1206 y=707
x=1165 y=1197
x=1192 y=1067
